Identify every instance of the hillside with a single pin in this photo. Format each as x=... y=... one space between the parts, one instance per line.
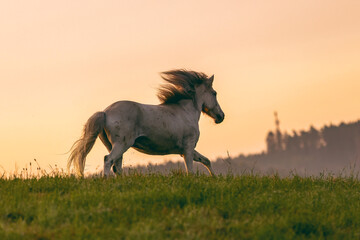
x=180 y=207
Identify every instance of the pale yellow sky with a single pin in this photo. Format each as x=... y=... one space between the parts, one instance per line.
x=60 y=61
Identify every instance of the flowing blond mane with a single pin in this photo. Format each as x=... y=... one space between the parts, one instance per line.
x=180 y=84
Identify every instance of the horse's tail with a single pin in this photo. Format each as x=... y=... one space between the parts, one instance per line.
x=82 y=147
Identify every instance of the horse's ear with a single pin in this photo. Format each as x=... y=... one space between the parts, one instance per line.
x=210 y=80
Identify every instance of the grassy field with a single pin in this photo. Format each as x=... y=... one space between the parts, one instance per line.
x=180 y=207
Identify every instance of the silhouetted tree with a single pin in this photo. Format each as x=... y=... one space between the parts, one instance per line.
x=271 y=142
x=292 y=143
x=314 y=140
x=310 y=140
x=279 y=141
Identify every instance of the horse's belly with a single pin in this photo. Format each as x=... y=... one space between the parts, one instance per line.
x=158 y=147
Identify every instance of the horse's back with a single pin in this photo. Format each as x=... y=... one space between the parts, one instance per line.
x=155 y=129
x=131 y=116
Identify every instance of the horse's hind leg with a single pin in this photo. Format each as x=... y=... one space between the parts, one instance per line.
x=200 y=158
x=103 y=137
x=117 y=167
x=115 y=158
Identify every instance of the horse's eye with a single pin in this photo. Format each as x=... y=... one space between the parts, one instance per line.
x=215 y=93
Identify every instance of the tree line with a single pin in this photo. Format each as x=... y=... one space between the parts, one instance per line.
x=335 y=140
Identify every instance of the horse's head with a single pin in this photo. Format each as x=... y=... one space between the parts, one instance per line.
x=210 y=104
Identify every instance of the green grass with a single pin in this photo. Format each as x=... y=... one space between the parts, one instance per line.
x=180 y=207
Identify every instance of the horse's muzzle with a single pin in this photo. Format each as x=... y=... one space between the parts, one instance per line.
x=219 y=118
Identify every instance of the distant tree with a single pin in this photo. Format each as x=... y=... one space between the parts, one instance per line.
x=271 y=142
x=292 y=143
x=310 y=140
x=331 y=138
x=285 y=139
x=279 y=141
x=314 y=140
x=342 y=142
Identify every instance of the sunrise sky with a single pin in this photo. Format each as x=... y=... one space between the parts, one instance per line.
x=61 y=61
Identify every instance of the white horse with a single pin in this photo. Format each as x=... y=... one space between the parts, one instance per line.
x=169 y=128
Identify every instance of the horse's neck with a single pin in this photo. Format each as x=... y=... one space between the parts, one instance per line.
x=191 y=108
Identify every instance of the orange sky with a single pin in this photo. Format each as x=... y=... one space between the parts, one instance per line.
x=60 y=61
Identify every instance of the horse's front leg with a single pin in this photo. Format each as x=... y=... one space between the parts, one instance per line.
x=189 y=157
x=204 y=160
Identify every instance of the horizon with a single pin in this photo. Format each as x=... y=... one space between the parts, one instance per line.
x=61 y=62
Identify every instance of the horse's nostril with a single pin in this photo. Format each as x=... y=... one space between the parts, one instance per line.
x=219 y=118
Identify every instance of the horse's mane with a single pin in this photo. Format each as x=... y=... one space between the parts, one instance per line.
x=180 y=84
